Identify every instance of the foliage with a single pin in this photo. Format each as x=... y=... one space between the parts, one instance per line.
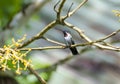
x=8 y=8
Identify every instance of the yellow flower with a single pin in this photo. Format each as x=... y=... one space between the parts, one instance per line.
x=1 y=57
x=16 y=57
x=17 y=44
x=117 y=13
x=14 y=66
x=18 y=71
x=13 y=62
x=4 y=46
x=3 y=67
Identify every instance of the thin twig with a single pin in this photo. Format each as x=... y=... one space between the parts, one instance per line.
x=68 y=12
x=75 y=45
x=39 y=35
x=56 y=6
x=88 y=39
x=60 y=9
x=44 y=48
x=99 y=40
x=70 y=8
x=108 y=44
x=108 y=36
x=42 y=81
x=53 y=41
x=72 y=12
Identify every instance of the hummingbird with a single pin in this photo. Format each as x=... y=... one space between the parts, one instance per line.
x=69 y=41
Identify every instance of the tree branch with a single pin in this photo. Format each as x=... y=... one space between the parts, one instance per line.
x=69 y=14
x=75 y=45
x=88 y=39
x=42 y=81
x=39 y=35
x=43 y=48
x=60 y=9
x=53 y=41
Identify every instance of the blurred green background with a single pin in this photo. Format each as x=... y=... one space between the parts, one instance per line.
x=95 y=18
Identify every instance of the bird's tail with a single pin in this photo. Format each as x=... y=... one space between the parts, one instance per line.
x=74 y=50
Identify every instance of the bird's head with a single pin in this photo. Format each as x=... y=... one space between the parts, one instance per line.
x=65 y=33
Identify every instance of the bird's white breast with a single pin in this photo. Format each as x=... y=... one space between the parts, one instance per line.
x=68 y=37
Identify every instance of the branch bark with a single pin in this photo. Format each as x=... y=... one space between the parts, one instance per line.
x=42 y=81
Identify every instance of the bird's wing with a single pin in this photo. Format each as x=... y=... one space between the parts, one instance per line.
x=72 y=42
